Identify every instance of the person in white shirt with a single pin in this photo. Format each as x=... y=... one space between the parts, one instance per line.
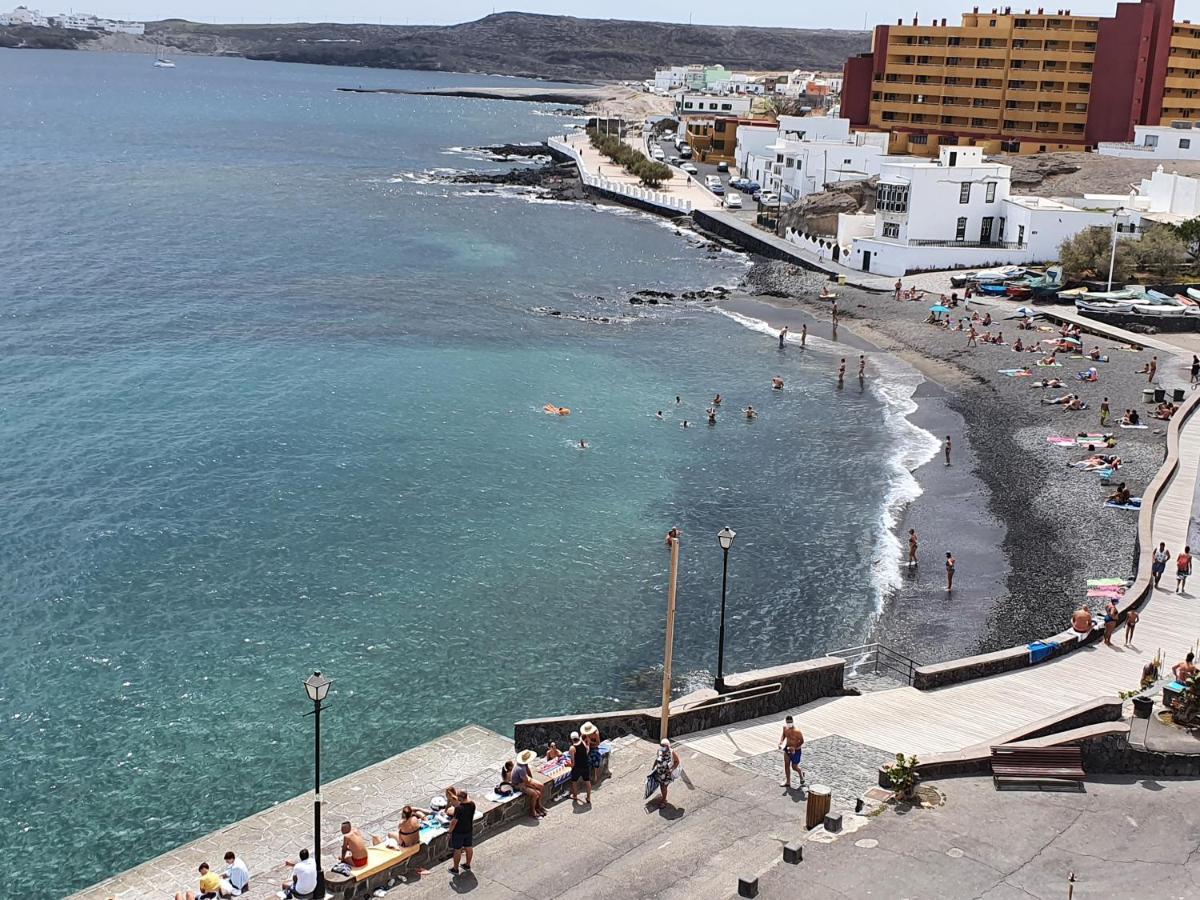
x=236 y=873
x=304 y=877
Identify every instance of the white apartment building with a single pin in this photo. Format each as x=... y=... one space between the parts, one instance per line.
x=77 y=21
x=122 y=27
x=690 y=103
x=24 y=16
x=1178 y=140
x=957 y=212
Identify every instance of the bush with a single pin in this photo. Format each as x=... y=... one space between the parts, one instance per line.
x=1160 y=252
x=1086 y=255
x=651 y=174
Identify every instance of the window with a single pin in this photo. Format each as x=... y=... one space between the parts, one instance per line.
x=845 y=162
x=919 y=139
x=891 y=230
x=789 y=163
x=687 y=104
x=712 y=106
x=1185 y=143
x=991 y=192
x=1000 y=232
x=892 y=198
x=964 y=193
x=960 y=233
x=726 y=106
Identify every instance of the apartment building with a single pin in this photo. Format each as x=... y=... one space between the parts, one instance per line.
x=1025 y=81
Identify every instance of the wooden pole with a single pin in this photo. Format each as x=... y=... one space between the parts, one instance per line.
x=666 y=691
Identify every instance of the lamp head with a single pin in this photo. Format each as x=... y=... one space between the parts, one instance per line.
x=317 y=687
x=725 y=536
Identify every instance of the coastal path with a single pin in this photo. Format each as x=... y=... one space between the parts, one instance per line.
x=956 y=717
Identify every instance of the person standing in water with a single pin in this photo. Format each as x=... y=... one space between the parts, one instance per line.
x=949 y=572
x=803 y=335
x=946 y=449
x=842 y=372
x=862 y=366
x=912 y=547
x=1195 y=369
x=835 y=314
x=783 y=332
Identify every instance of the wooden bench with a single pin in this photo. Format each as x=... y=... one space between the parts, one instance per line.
x=1035 y=764
x=379 y=859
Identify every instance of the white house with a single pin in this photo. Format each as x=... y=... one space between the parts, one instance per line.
x=24 y=16
x=957 y=212
x=77 y=21
x=1179 y=140
x=690 y=103
x=667 y=80
x=122 y=27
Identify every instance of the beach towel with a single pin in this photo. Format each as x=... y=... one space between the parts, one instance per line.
x=1060 y=441
x=1042 y=365
x=1106 y=582
x=1135 y=426
x=1101 y=359
x=1134 y=503
x=1104 y=474
x=1016 y=373
x=1113 y=591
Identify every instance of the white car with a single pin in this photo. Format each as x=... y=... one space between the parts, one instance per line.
x=733 y=201
x=658 y=154
x=689 y=168
x=711 y=180
x=769 y=198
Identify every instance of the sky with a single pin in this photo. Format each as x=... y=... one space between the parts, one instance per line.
x=771 y=13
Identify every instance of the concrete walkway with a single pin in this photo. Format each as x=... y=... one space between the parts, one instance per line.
x=679 y=186
x=965 y=715
x=1124 y=837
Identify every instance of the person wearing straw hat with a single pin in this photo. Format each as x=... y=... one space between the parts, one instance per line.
x=581 y=768
x=522 y=781
x=665 y=764
x=591 y=739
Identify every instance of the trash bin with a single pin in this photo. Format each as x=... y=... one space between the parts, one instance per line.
x=1160 y=394
x=1179 y=395
x=841 y=279
x=819 y=797
x=1142 y=707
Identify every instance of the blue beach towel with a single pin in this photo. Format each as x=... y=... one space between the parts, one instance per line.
x=1134 y=503
x=1039 y=650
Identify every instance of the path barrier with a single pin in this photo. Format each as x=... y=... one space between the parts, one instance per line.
x=878 y=658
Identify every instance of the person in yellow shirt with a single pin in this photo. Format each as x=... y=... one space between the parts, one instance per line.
x=211 y=886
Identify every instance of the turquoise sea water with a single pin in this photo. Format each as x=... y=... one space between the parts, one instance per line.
x=270 y=402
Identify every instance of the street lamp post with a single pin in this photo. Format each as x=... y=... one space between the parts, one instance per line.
x=725 y=537
x=317 y=688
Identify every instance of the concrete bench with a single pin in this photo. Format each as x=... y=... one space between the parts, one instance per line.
x=1035 y=764
x=380 y=860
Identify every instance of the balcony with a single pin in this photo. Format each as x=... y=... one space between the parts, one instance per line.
x=1183 y=83
x=969 y=245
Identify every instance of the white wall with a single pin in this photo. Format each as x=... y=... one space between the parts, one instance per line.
x=752 y=139
x=935 y=195
x=1168 y=192
x=691 y=103
x=1156 y=142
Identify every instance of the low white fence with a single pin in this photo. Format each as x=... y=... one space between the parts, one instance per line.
x=633 y=191
x=822 y=247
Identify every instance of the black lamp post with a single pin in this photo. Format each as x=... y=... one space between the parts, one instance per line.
x=317 y=688
x=725 y=537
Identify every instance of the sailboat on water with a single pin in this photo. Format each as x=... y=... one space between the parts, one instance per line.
x=160 y=59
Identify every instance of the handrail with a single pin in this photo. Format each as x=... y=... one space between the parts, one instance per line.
x=750 y=693
x=884 y=657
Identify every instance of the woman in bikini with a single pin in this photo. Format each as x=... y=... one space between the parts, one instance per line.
x=1110 y=620
x=408 y=832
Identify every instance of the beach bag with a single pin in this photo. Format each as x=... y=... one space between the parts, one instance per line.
x=651 y=784
x=340 y=868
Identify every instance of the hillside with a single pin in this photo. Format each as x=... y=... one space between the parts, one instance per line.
x=558 y=47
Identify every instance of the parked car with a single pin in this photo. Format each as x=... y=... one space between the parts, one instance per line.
x=711 y=180
x=769 y=198
x=756 y=196
x=689 y=168
x=718 y=189
x=737 y=183
x=733 y=201
x=674 y=160
x=722 y=167
x=685 y=151
x=658 y=154
x=751 y=187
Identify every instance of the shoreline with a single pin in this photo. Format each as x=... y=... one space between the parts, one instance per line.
x=1056 y=530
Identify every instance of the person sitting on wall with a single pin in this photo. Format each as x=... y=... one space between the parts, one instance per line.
x=1081 y=621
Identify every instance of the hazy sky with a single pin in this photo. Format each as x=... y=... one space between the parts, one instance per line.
x=789 y=14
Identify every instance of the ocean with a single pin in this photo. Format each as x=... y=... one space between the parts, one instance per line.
x=271 y=400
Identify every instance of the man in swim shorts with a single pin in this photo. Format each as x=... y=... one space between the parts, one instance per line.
x=912 y=546
x=791 y=742
x=354 y=846
x=1161 y=557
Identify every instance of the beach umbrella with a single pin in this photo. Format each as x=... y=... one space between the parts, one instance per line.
x=1027 y=311
x=1071 y=340
x=939 y=309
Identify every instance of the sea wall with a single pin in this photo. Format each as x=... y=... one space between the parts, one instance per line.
x=748 y=240
x=656 y=202
x=748 y=696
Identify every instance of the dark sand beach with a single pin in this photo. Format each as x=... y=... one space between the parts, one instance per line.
x=1026 y=529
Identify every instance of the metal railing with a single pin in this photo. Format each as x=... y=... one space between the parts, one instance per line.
x=877 y=657
x=750 y=693
x=975 y=245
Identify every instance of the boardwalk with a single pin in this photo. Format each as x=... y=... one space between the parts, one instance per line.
x=966 y=715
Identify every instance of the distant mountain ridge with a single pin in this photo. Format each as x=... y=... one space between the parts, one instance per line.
x=511 y=43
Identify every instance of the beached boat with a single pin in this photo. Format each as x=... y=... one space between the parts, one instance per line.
x=981 y=277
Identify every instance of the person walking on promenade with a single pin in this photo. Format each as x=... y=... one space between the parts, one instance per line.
x=791 y=742
x=1195 y=369
x=842 y=372
x=581 y=768
x=665 y=765
x=1183 y=568
x=1131 y=620
x=912 y=547
x=1110 y=620
x=946 y=449
x=1161 y=556
x=783 y=333
x=1105 y=412
x=949 y=572
x=899 y=288
x=462 y=831
x=803 y=335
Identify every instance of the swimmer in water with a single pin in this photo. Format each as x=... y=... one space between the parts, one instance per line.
x=677 y=400
x=583 y=445
x=717 y=400
x=684 y=424
x=712 y=416
x=658 y=415
x=777 y=383
x=750 y=413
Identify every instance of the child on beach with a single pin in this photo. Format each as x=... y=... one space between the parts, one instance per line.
x=1131 y=620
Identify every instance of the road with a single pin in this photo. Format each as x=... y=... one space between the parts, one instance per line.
x=703 y=170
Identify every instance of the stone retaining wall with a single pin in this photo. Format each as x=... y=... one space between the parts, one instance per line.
x=748 y=241
x=799 y=683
